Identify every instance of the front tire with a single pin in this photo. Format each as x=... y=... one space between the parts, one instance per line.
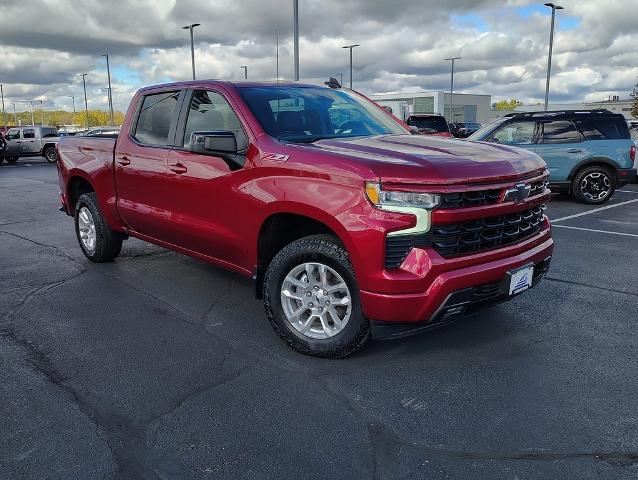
x=312 y=299
x=11 y=160
x=594 y=185
x=50 y=154
x=98 y=242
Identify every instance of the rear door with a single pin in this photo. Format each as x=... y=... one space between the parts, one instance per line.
x=141 y=154
x=562 y=147
x=207 y=197
x=30 y=142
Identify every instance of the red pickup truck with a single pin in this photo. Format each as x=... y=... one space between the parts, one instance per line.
x=350 y=226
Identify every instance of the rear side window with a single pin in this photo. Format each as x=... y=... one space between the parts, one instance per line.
x=155 y=117
x=210 y=111
x=28 y=133
x=560 y=131
x=603 y=128
x=431 y=124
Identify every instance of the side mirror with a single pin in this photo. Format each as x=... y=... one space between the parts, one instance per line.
x=218 y=143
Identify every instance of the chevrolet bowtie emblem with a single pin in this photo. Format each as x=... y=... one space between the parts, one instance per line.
x=518 y=193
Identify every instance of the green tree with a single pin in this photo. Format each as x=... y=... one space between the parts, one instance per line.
x=507 y=104
x=57 y=118
x=634 y=108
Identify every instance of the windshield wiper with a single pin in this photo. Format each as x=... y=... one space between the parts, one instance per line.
x=308 y=139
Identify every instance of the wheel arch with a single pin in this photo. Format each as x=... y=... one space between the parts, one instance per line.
x=76 y=186
x=283 y=227
x=593 y=162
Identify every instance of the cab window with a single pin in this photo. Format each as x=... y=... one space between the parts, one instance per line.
x=560 y=131
x=155 y=117
x=515 y=133
x=209 y=111
x=28 y=133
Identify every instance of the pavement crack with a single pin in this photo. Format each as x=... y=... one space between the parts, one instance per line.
x=221 y=298
x=572 y=282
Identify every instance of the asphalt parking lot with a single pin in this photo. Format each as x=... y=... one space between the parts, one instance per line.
x=158 y=366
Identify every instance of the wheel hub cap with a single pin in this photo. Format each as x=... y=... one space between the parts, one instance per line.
x=316 y=300
x=86 y=227
x=595 y=186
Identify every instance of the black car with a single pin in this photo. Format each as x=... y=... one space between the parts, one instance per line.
x=464 y=129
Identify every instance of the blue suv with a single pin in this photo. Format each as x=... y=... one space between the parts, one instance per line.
x=588 y=153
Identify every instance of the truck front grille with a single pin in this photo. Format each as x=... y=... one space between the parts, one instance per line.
x=477 y=198
x=467 y=237
x=485 y=233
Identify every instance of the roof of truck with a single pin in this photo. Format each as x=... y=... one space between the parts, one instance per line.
x=239 y=83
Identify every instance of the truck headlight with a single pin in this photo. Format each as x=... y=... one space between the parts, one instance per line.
x=388 y=198
x=414 y=203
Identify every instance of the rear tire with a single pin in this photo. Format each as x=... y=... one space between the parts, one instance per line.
x=312 y=299
x=98 y=242
x=50 y=154
x=594 y=185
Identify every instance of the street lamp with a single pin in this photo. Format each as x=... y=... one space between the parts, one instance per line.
x=108 y=73
x=15 y=114
x=554 y=7
x=295 y=37
x=32 y=111
x=190 y=27
x=351 y=47
x=453 y=59
x=41 y=113
x=4 y=115
x=245 y=71
x=73 y=99
x=86 y=103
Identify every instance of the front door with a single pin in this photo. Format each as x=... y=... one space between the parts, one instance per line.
x=14 y=142
x=206 y=195
x=140 y=165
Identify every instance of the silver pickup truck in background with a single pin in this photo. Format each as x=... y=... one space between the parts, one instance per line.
x=38 y=141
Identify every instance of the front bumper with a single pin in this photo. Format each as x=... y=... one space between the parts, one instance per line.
x=422 y=310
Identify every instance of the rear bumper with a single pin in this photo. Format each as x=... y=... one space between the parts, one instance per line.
x=625 y=176
x=422 y=310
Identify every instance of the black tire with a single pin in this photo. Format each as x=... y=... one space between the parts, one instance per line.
x=329 y=251
x=108 y=243
x=1 y=160
x=588 y=180
x=11 y=160
x=50 y=154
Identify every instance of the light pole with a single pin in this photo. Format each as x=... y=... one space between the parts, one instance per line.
x=190 y=27
x=4 y=115
x=32 y=120
x=15 y=115
x=295 y=14
x=108 y=74
x=453 y=59
x=41 y=113
x=86 y=103
x=351 y=47
x=554 y=7
x=73 y=99
x=245 y=71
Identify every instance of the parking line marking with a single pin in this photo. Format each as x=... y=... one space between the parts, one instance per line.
x=628 y=191
x=597 y=231
x=569 y=217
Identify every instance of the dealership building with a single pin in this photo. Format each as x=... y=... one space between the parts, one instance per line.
x=465 y=107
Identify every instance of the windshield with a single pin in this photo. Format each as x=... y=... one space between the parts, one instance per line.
x=431 y=124
x=483 y=132
x=307 y=114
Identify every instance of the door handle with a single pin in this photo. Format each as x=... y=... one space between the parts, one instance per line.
x=178 y=168
x=123 y=160
x=575 y=150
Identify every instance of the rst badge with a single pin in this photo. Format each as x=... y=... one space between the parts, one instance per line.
x=517 y=193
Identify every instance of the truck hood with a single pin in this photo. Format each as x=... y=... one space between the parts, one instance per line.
x=432 y=160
